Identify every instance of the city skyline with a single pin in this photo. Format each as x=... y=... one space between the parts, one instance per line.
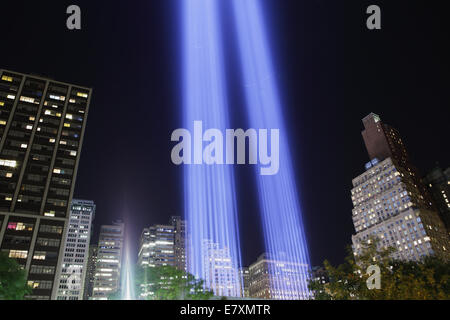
x=125 y=165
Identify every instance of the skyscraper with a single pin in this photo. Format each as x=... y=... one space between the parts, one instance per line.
x=107 y=278
x=244 y=273
x=90 y=272
x=438 y=182
x=384 y=141
x=180 y=242
x=163 y=245
x=72 y=272
x=222 y=277
x=264 y=284
x=42 y=123
x=389 y=202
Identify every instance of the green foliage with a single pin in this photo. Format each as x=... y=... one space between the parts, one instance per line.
x=13 y=279
x=400 y=280
x=169 y=283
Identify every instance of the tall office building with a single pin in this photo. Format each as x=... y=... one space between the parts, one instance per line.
x=264 y=284
x=244 y=273
x=389 y=202
x=107 y=279
x=438 y=182
x=163 y=245
x=221 y=277
x=180 y=242
x=384 y=141
x=70 y=283
x=90 y=272
x=42 y=123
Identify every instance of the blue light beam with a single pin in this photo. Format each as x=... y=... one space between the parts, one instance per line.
x=128 y=287
x=210 y=204
x=283 y=227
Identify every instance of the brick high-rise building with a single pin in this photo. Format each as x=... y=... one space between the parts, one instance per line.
x=384 y=141
x=42 y=124
x=389 y=200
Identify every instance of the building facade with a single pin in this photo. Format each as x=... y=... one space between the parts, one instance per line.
x=180 y=242
x=73 y=270
x=42 y=124
x=438 y=182
x=163 y=245
x=107 y=279
x=90 y=272
x=389 y=203
x=287 y=285
x=244 y=273
x=221 y=276
x=384 y=141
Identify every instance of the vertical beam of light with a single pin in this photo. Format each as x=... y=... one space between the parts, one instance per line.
x=283 y=227
x=210 y=205
x=128 y=287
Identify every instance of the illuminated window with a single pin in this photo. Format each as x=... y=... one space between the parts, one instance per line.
x=27 y=99
x=81 y=94
x=18 y=254
x=10 y=96
x=39 y=255
x=2 y=122
x=6 y=78
x=20 y=226
x=8 y=163
x=60 y=98
x=2 y=103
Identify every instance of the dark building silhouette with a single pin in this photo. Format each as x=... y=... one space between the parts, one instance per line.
x=90 y=272
x=438 y=182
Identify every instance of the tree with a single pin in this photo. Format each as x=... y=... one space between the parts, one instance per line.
x=13 y=279
x=400 y=280
x=169 y=283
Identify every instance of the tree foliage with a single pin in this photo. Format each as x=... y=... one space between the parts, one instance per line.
x=400 y=280
x=13 y=279
x=169 y=283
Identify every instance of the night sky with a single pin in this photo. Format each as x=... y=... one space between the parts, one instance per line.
x=331 y=72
